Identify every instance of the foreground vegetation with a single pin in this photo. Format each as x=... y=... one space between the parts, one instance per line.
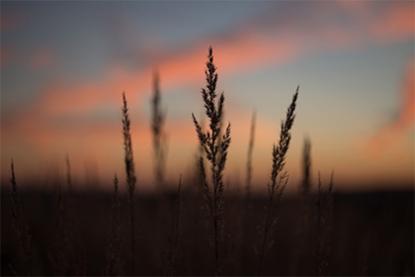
x=202 y=228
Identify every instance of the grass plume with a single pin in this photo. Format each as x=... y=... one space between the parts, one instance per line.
x=215 y=144
x=159 y=136
x=130 y=173
x=278 y=178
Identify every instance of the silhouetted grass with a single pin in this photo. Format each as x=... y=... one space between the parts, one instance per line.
x=173 y=252
x=249 y=155
x=130 y=173
x=114 y=263
x=319 y=232
x=215 y=145
x=24 y=240
x=159 y=136
x=324 y=217
x=306 y=166
x=278 y=179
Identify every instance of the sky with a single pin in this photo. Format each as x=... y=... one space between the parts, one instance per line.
x=64 y=66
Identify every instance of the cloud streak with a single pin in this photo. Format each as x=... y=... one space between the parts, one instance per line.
x=244 y=49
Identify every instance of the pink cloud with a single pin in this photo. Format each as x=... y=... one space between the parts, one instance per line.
x=246 y=50
x=242 y=53
x=60 y=101
x=396 y=22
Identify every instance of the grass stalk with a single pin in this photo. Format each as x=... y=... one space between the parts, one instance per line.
x=278 y=179
x=215 y=144
x=249 y=155
x=174 y=238
x=159 y=136
x=24 y=239
x=306 y=166
x=324 y=217
x=113 y=258
x=68 y=173
x=130 y=173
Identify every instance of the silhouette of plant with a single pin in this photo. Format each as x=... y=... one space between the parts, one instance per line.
x=324 y=218
x=249 y=155
x=24 y=238
x=215 y=144
x=279 y=179
x=306 y=183
x=159 y=136
x=130 y=173
x=175 y=233
x=114 y=246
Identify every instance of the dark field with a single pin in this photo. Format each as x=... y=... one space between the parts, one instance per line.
x=369 y=233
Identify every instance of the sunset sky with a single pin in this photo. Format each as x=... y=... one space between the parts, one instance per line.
x=64 y=66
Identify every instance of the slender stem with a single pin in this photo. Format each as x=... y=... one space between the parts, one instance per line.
x=132 y=234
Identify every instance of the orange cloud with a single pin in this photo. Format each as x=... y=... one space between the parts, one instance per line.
x=397 y=21
x=246 y=49
x=405 y=118
x=242 y=53
x=249 y=49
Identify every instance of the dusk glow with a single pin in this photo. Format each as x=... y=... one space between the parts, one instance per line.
x=64 y=66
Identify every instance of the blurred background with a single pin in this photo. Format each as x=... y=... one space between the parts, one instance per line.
x=64 y=66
